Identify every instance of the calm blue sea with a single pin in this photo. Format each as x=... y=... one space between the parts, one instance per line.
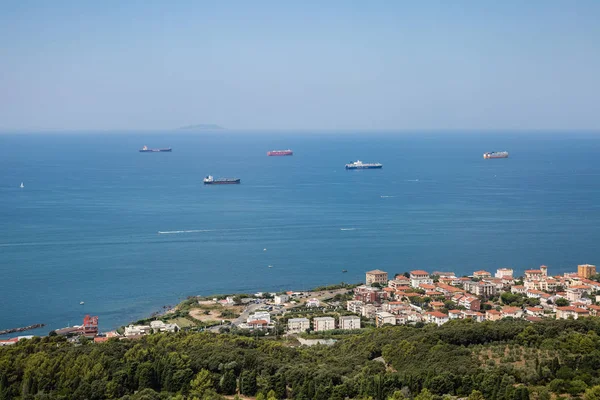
x=87 y=225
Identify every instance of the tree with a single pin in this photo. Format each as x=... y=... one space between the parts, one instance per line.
x=271 y=395
x=424 y=395
x=562 y=302
x=397 y=396
x=201 y=383
x=228 y=383
x=260 y=396
x=592 y=393
x=476 y=395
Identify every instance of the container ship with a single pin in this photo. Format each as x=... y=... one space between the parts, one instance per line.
x=496 y=154
x=145 y=149
x=209 y=180
x=360 y=165
x=287 y=152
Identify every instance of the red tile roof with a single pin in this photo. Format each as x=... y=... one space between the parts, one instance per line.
x=419 y=272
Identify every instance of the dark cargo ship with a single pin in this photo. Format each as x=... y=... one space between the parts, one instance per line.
x=209 y=180
x=145 y=149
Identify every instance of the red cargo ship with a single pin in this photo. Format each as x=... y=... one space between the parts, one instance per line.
x=280 y=153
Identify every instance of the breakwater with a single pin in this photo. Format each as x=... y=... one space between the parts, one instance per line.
x=25 y=328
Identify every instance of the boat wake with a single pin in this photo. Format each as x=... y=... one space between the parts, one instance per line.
x=348 y=229
x=412 y=180
x=387 y=197
x=188 y=231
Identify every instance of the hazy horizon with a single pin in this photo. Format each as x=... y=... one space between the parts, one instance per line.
x=384 y=66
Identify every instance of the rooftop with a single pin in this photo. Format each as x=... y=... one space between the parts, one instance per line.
x=419 y=272
x=376 y=271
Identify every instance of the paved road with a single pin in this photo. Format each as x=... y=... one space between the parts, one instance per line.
x=239 y=320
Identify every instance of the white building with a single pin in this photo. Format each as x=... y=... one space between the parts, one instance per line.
x=313 y=303
x=281 y=298
x=419 y=277
x=259 y=316
x=159 y=326
x=136 y=330
x=323 y=324
x=355 y=306
x=384 y=317
x=502 y=272
x=349 y=322
x=298 y=325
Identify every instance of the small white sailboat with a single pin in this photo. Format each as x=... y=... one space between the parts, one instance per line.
x=81 y=303
x=21 y=186
x=270 y=266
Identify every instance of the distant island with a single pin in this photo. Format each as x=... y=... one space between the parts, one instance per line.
x=200 y=127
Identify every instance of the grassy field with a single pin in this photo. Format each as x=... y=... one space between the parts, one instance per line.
x=182 y=322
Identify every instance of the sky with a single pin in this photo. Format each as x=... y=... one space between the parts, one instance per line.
x=406 y=65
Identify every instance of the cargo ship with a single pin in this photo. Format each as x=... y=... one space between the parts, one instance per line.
x=360 y=165
x=145 y=149
x=495 y=154
x=287 y=152
x=209 y=180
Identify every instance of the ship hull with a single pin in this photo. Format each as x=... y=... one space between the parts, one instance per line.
x=155 y=151
x=233 y=182
x=280 y=153
x=492 y=157
x=365 y=167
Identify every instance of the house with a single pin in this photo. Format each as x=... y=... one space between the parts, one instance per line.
x=534 y=294
x=259 y=315
x=493 y=315
x=436 y=317
x=534 y=311
x=455 y=314
x=281 y=298
x=436 y=305
x=100 y=339
x=384 y=317
x=349 y=322
x=321 y=324
x=376 y=276
x=594 y=310
x=417 y=277
x=502 y=272
x=9 y=342
x=297 y=325
x=481 y=274
x=534 y=273
x=258 y=324
x=474 y=315
x=445 y=275
x=448 y=290
x=571 y=312
x=518 y=289
x=313 y=303
x=513 y=312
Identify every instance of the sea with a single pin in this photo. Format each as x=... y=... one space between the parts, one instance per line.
x=128 y=233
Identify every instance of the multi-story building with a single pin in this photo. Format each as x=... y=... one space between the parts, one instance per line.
x=298 y=325
x=259 y=315
x=321 y=324
x=349 y=322
x=502 y=272
x=484 y=289
x=355 y=306
x=586 y=270
x=481 y=274
x=436 y=317
x=571 y=312
x=376 y=276
x=368 y=294
x=575 y=292
x=281 y=298
x=418 y=277
x=470 y=303
x=399 y=282
x=384 y=317
x=369 y=310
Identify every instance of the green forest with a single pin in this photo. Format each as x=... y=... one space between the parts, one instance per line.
x=508 y=359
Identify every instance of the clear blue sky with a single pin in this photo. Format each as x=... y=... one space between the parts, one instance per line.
x=311 y=64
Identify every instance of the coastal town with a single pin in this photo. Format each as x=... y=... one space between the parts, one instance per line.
x=414 y=297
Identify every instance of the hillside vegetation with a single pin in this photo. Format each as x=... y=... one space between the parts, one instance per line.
x=512 y=360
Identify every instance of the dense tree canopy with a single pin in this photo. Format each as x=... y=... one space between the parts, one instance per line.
x=511 y=360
